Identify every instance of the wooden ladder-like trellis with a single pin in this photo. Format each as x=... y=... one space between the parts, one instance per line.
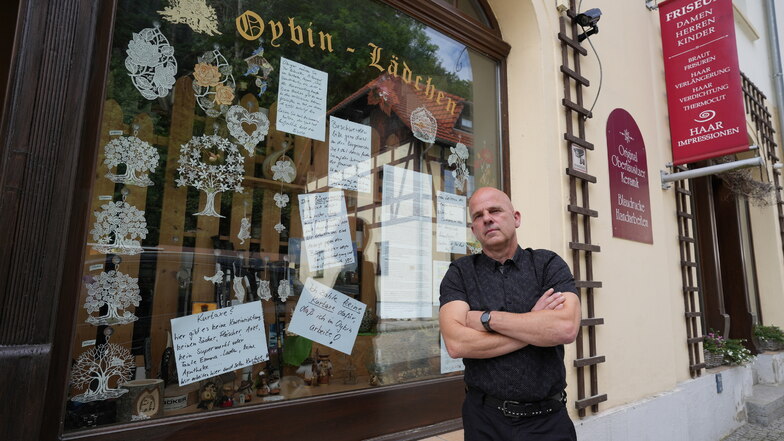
x=760 y=116
x=690 y=273
x=581 y=214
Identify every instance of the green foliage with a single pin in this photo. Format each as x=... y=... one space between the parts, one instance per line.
x=731 y=348
x=769 y=333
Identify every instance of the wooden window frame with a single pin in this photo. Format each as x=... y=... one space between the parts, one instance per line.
x=405 y=411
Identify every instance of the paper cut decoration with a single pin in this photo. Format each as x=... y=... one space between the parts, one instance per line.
x=151 y=63
x=116 y=291
x=244 y=230
x=284 y=171
x=236 y=116
x=213 y=83
x=259 y=67
x=239 y=288
x=281 y=200
x=118 y=227
x=458 y=160
x=424 y=125
x=95 y=367
x=349 y=155
x=224 y=173
x=263 y=291
x=217 y=278
x=327 y=316
x=279 y=227
x=138 y=156
x=197 y=14
x=214 y=342
x=302 y=100
x=284 y=290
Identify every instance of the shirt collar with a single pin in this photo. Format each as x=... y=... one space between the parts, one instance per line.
x=491 y=264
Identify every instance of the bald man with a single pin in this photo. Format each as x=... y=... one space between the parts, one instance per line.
x=507 y=312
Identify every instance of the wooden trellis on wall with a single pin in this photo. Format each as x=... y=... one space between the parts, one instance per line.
x=588 y=358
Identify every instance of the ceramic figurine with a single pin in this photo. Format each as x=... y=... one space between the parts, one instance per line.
x=323 y=368
x=262 y=385
x=207 y=395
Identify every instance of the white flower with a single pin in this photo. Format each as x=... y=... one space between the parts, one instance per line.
x=281 y=199
x=284 y=171
x=279 y=227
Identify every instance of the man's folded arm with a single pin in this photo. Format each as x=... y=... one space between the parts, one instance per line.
x=465 y=342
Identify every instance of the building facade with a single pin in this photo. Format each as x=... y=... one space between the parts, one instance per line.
x=231 y=217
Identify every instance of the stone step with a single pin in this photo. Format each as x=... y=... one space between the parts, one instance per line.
x=766 y=404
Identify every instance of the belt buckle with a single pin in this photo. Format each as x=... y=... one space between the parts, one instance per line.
x=509 y=413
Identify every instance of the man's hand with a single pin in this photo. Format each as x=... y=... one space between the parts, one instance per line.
x=550 y=300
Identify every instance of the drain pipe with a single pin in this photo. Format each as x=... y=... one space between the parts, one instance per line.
x=775 y=48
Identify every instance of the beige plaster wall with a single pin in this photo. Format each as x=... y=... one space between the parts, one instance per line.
x=644 y=335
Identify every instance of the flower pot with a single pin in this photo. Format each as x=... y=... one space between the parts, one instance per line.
x=713 y=360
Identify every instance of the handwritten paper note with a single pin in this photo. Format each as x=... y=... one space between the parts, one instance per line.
x=327 y=316
x=349 y=155
x=325 y=230
x=302 y=100
x=451 y=221
x=218 y=341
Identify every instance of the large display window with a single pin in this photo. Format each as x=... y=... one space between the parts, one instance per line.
x=279 y=187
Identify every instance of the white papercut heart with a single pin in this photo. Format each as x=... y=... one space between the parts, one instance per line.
x=236 y=116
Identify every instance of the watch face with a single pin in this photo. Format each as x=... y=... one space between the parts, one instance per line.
x=485 y=317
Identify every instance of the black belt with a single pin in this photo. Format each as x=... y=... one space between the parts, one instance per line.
x=516 y=409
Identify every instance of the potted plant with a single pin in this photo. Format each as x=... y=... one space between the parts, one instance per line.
x=768 y=338
x=719 y=350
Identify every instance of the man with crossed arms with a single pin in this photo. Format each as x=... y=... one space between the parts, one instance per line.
x=493 y=315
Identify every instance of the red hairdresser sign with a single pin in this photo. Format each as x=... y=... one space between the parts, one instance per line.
x=630 y=202
x=704 y=92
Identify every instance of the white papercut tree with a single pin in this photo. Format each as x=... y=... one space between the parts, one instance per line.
x=118 y=228
x=100 y=364
x=116 y=291
x=223 y=173
x=138 y=156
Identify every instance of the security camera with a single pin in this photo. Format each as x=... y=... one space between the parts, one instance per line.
x=589 y=17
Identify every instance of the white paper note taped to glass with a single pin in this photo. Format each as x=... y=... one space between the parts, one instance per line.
x=214 y=342
x=349 y=155
x=451 y=222
x=325 y=230
x=327 y=316
x=302 y=100
x=449 y=364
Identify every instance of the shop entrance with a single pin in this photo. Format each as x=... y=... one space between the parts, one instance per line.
x=726 y=259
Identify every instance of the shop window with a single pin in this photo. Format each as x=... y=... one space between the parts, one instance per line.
x=278 y=190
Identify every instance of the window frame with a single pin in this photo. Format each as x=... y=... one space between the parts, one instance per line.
x=405 y=411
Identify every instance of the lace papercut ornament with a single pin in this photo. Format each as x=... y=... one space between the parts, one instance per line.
x=116 y=291
x=197 y=14
x=118 y=228
x=283 y=172
x=213 y=83
x=279 y=227
x=138 y=156
x=281 y=199
x=458 y=160
x=151 y=63
x=223 y=171
x=284 y=290
x=238 y=285
x=95 y=367
x=424 y=125
x=263 y=291
x=236 y=116
x=217 y=278
x=260 y=68
x=244 y=230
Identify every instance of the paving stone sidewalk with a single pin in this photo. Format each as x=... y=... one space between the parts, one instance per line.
x=753 y=432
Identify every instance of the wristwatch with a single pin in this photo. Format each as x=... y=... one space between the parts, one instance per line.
x=485 y=319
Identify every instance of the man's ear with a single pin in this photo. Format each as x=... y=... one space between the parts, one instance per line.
x=517 y=219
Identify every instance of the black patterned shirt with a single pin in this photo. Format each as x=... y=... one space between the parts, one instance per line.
x=529 y=374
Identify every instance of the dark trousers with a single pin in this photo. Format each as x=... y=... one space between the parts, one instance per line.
x=485 y=423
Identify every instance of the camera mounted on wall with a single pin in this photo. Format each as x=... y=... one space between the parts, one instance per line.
x=588 y=19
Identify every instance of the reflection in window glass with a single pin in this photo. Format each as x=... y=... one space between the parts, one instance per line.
x=279 y=190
